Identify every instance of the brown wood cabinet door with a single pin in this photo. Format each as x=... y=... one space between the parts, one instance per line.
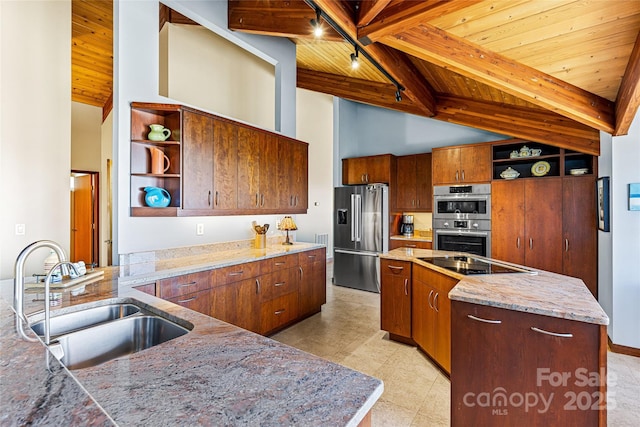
x=249 y=143
x=507 y=221
x=278 y=312
x=580 y=256
x=197 y=301
x=475 y=164
x=225 y=165
x=543 y=223
x=247 y=305
x=312 y=281
x=423 y=316
x=197 y=154
x=353 y=171
x=292 y=175
x=406 y=182
x=268 y=182
x=424 y=187
x=442 y=327
x=300 y=175
x=378 y=169
x=395 y=297
x=446 y=166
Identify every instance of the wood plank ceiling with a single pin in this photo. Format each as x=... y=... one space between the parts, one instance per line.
x=555 y=71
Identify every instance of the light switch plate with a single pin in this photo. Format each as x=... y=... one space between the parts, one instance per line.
x=199 y=229
x=20 y=229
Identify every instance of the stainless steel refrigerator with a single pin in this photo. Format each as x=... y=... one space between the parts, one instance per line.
x=360 y=233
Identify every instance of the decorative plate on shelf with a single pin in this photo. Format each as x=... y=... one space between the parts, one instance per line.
x=540 y=168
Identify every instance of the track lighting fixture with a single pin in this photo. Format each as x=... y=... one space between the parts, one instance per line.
x=398 y=95
x=316 y=24
x=355 y=61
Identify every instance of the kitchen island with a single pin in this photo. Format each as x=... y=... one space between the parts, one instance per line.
x=217 y=374
x=505 y=339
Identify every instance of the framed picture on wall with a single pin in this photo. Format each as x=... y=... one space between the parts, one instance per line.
x=603 y=203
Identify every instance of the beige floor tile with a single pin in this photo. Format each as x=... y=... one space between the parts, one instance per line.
x=388 y=414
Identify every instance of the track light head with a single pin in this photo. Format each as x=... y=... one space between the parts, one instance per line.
x=355 y=61
x=316 y=24
x=398 y=96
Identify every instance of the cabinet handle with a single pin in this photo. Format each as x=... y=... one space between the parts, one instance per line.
x=413 y=202
x=435 y=302
x=418 y=202
x=457 y=175
x=518 y=242
x=262 y=200
x=257 y=199
x=406 y=286
x=566 y=245
x=553 y=334
x=393 y=267
x=187 y=300
x=209 y=198
x=278 y=312
x=429 y=298
x=237 y=273
x=257 y=286
x=362 y=178
x=296 y=204
x=184 y=285
x=291 y=200
x=217 y=197
x=480 y=319
x=280 y=263
x=463 y=174
x=279 y=284
x=530 y=243
x=301 y=272
x=311 y=256
x=411 y=246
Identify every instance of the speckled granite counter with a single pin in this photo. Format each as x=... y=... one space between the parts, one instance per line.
x=545 y=293
x=217 y=374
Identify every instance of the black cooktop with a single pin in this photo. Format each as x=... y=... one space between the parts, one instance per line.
x=469 y=265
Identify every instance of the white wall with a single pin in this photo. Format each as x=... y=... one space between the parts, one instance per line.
x=207 y=70
x=136 y=59
x=106 y=148
x=86 y=137
x=619 y=267
x=314 y=122
x=35 y=127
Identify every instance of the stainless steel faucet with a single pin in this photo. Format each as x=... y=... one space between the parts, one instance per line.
x=47 y=298
x=18 y=288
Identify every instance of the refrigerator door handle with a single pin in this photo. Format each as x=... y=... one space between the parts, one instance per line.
x=358 y=217
x=363 y=253
x=353 y=222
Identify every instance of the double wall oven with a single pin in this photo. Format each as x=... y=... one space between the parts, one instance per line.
x=462 y=218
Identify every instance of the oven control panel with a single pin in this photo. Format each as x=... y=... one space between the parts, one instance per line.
x=459 y=224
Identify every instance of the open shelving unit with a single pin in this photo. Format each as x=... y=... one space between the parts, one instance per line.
x=561 y=161
x=169 y=116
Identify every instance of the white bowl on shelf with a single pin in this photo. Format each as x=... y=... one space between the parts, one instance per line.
x=579 y=171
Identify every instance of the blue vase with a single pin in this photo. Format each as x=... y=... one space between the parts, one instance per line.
x=157 y=197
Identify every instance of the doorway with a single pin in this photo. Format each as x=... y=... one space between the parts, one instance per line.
x=84 y=217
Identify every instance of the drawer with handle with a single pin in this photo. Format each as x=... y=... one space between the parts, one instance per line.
x=237 y=273
x=185 y=284
x=282 y=262
x=279 y=283
x=278 y=312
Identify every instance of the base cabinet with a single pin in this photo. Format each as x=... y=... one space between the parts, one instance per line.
x=395 y=297
x=313 y=281
x=524 y=369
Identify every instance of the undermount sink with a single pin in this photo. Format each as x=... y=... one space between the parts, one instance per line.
x=86 y=318
x=98 y=344
x=91 y=336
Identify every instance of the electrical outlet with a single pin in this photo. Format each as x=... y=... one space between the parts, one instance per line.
x=20 y=229
x=199 y=229
x=277 y=224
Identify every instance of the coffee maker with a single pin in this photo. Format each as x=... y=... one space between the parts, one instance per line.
x=407 y=226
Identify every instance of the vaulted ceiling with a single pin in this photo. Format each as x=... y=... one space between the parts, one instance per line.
x=555 y=71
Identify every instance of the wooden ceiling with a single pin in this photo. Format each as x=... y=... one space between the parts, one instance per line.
x=92 y=52
x=556 y=71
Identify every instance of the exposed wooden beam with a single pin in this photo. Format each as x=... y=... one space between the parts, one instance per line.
x=276 y=18
x=107 y=107
x=520 y=122
x=364 y=91
x=629 y=93
x=369 y=9
x=446 y=50
x=416 y=87
x=405 y=15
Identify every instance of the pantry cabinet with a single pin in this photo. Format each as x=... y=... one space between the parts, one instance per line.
x=414 y=191
x=461 y=164
x=501 y=356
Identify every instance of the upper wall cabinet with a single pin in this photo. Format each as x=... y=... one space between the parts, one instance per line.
x=414 y=190
x=368 y=170
x=462 y=164
x=210 y=165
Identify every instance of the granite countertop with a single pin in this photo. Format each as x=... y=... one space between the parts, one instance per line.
x=414 y=238
x=544 y=293
x=217 y=374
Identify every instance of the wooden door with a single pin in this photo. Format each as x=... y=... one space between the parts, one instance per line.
x=249 y=143
x=225 y=165
x=580 y=256
x=423 y=316
x=83 y=223
x=406 y=182
x=543 y=223
x=353 y=171
x=507 y=221
x=395 y=297
x=378 y=169
x=424 y=187
x=268 y=169
x=197 y=158
x=475 y=164
x=442 y=327
x=312 y=281
x=247 y=305
x=300 y=175
x=446 y=166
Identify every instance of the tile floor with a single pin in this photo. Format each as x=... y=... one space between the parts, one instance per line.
x=416 y=393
